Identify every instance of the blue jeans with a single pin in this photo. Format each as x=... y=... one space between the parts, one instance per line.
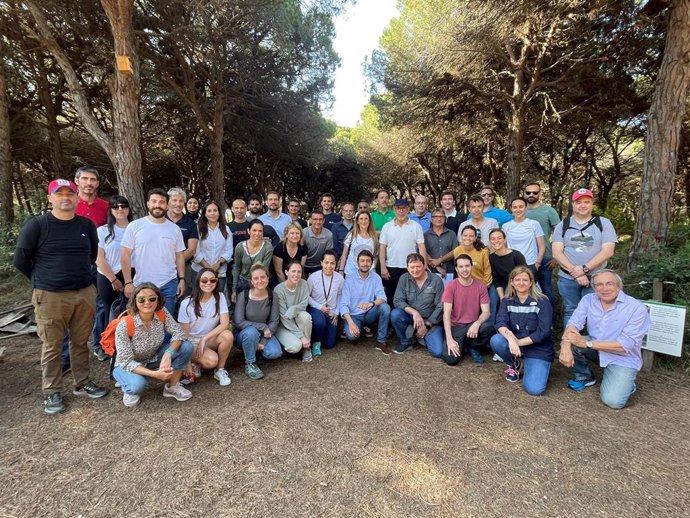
x=379 y=315
x=248 y=339
x=536 y=373
x=618 y=382
x=494 y=301
x=434 y=338
x=571 y=293
x=322 y=330
x=545 y=280
x=169 y=292
x=135 y=384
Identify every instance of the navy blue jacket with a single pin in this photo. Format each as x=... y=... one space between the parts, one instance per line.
x=530 y=318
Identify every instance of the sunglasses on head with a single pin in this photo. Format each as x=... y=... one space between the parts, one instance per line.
x=153 y=298
x=119 y=206
x=207 y=280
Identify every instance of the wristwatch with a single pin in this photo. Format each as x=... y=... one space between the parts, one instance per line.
x=589 y=344
x=585 y=268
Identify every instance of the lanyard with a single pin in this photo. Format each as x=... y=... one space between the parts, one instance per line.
x=330 y=286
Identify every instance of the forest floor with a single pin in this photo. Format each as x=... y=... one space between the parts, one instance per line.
x=355 y=433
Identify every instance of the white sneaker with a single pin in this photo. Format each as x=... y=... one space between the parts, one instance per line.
x=223 y=377
x=130 y=400
x=196 y=370
x=177 y=391
x=497 y=358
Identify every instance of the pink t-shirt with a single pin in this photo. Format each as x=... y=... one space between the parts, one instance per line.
x=466 y=301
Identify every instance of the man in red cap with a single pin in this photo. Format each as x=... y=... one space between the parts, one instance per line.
x=56 y=251
x=582 y=243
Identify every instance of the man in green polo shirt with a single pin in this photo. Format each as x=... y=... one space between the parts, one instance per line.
x=382 y=214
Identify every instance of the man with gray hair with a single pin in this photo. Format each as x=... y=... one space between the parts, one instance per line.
x=616 y=323
x=190 y=232
x=420 y=214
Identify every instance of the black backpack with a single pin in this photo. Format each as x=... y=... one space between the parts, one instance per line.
x=594 y=220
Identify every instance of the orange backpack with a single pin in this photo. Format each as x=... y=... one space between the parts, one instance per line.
x=108 y=334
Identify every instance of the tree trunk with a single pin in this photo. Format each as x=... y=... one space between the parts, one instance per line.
x=217 y=158
x=516 y=140
x=43 y=89
x=126 y=92
x=663 y=127
x=6 y=199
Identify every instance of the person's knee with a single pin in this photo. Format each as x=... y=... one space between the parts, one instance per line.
x=249 y=336
x=226 y=339
x=292 y=346
x=534 y=389
x=398 y=316
x=435 y=350
x=614 y=401
x=185 y=351
x=303 y=319
x=208 y=360
x=272 y=351
x=497 y=342
x=136 y=385
x=385 y=309
x=450 y=359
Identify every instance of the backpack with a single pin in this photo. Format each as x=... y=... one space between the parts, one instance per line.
x=594 y=220
x=108 y=334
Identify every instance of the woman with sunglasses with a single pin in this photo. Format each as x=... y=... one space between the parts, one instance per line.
x=361 y=237
x=255 y=250
x=204 y=317
x=144 y=354
x=109 y=279
x=294 y=330
x=214 y=250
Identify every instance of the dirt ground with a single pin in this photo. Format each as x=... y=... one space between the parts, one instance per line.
x=355 y=433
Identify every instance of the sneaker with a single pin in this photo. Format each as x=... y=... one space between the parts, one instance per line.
x=53 y=404
x=477 y=357
x=130 y=400
x=384 y=347
x=252 y=370
x=497 y=358
x=368 y=333
x=512 y=375
x=307 y=356
x=100 y=354
x=580 y=385
x=223 y=377
x=316 y=349
x=196 y=370
x=117 y=384
x=517 y=364
x=401 y=348
x=90 y=389
x=177 y=391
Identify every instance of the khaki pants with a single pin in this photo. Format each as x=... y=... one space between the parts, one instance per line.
x=57 y=312
x=290 y=342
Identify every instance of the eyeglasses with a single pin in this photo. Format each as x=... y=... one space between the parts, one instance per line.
x=141 y=300
x=609 y=284
x=119 y=206
x=438 y=216
x=208 y=281
x=532 y=192
x=487 y=195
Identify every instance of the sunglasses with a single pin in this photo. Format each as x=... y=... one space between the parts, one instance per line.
x=141 y=300
x=208 y=281
x=119 y=206
x=532 y=192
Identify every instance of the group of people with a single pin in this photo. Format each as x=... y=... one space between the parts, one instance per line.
x=456 y=284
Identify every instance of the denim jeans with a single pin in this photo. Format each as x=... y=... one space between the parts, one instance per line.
x=323 y=330
x=434 y=338
x=459 y=332
x=536 y=370
x=379 y=315
x=571 y=293
x=169 y=292
x=618 y=382
x=494 y=301
x=248 y=339
x=545 y=280
x=135 y=384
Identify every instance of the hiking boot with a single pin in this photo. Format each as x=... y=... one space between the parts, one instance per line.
x=401 y=348
x=367 y=332
x=580 y=385
x=53 y=404
x=316 y=349
x=90 y=389
x=512 y=375
x=130 y=400
x=223 y=377
x=177 y=391
x=307 y=356
x=100 y=354
x=477 y=357
x=252 y=370
x=384 y=347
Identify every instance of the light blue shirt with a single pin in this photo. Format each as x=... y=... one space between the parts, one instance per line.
x=358 y=290
x=278 y=223
x=424 y=220
x=626 y=322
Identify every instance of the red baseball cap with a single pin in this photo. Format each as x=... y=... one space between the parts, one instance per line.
x=580 y=193
x=55 y=186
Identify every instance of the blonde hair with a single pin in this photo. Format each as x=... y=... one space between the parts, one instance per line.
x=289 y=227
x=533 y=291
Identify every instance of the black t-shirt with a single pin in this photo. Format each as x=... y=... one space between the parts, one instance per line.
x=57 y=255
x=270 y=233
x=453 y=222
x=240 y=231
x=502 y=265
x=188 y=227
x=281 y=251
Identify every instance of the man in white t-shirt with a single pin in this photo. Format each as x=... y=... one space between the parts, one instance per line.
x=399 y=238
x=159 y=248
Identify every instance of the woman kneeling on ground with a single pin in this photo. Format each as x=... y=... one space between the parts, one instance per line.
x=205 y=317
x=144 y=355
x=524 y=331
x=294 y=330
x=326 y=290
x=256 y=318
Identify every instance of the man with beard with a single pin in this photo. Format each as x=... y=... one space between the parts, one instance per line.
x=294 y=213
x=158 y=247
x=273 y=217
x=330 y=216
x=270 y=234
x=239 y=226
x=57 y=251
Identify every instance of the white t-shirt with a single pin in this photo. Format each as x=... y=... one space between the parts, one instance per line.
x=201 y=326
x=360 y=243
x=112 y=248
x=154 y=245
x=523 y=237
x=401 y=241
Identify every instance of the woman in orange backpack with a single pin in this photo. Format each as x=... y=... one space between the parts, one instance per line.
x=141 y=353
